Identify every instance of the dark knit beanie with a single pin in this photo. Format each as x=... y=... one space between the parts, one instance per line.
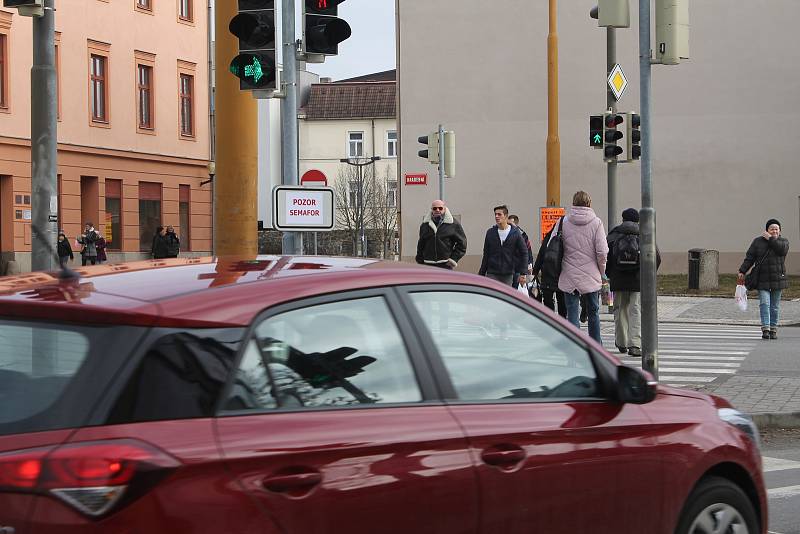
x=771 y=222
x=630 y=214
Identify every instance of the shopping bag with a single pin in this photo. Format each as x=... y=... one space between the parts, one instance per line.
x=741 y=297
x=523 y=290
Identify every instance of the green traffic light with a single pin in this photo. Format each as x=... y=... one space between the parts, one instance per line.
x=254 y=70
x=597 y=138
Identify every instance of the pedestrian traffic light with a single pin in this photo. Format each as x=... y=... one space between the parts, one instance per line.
x=611 y=135
x=254 y=25
x=432 y=142
x=633 y=137
x=323 y=30
x=450 y=154
x=596 y=131
x=26 y=8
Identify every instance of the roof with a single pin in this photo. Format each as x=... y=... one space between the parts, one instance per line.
x=197 y=292
x=385 y=76
x=352 y=100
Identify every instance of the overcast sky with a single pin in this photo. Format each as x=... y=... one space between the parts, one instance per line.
x=371 y=48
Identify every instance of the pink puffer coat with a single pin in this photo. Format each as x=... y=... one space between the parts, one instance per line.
x=585 y=250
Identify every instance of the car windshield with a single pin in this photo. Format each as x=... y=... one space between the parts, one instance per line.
x=38 y=363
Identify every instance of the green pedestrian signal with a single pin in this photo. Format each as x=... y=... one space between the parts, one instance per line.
x=596 y=131
x=254 y=70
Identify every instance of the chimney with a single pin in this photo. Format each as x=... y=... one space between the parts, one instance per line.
x=325 y=80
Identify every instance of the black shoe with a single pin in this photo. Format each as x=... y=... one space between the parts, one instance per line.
x=636 y=352
x=765 y=334
x=622 y=350
x=773 y=334
x=584 y=318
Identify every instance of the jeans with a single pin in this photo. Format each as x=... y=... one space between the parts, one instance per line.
x=769 y=306
x=573 y=302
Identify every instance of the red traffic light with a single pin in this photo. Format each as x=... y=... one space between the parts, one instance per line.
x=613 y=120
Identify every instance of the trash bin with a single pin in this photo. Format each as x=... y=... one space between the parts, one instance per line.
x=703 y=269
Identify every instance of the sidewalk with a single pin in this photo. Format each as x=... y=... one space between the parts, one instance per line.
x=768 y=384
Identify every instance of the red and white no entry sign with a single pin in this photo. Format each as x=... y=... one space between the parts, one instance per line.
x=314 y=178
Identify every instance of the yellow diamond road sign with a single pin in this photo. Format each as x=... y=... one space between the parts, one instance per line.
x=617 y=81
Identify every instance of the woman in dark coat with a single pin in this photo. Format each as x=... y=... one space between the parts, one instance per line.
x=767 y=256
x=64 y=250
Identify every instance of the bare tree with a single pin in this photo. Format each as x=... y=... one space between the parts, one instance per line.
x=353 y=192
x=383 y=210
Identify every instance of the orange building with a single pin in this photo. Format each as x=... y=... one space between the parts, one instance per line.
x=133 y=125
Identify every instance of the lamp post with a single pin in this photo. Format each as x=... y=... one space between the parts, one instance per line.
x=360 y=166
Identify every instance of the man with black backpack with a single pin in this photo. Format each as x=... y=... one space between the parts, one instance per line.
x=623 y=271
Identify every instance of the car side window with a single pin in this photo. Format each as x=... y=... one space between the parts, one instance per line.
x=494 y=350
x=336 y=354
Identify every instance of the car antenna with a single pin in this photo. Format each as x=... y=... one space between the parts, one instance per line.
x=65 y=273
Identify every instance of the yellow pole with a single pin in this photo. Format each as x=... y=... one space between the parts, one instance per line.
x=236 y=178
x=553 y=143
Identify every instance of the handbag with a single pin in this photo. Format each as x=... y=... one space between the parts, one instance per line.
x=751 y=278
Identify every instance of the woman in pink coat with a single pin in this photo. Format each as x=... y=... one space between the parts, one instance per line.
x=585 y=250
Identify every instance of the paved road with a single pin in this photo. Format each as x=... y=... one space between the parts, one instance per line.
x=781 y=452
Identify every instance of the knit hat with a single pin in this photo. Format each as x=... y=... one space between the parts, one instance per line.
x=630 y=214
x=771 y=222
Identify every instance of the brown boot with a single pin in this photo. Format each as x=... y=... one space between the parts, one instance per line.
x=773 y=333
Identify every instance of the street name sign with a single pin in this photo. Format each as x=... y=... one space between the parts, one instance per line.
x=417 y=179
x=303 y=208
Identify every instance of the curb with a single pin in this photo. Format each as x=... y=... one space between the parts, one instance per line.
x=776 y=420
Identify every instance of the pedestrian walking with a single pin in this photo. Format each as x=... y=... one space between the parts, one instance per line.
x=584 y=263
x=101 y=248
x=513 y=220
x=622 y=269
x=173 y=242
x=504 y=251
x=160 y=249
x=442 y=241
x=548 y=275
x=65 y=254
x=88 y=241
x=767 y=259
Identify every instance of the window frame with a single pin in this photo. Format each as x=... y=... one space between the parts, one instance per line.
x=116 y=247
x=350 y=155
x=146 y=60
x=605 y=369
x=422 y=372
x=391 y=143
x=187 y=69
x=145 y=6
x=188 y=17
x=103 y=51
x=5 y=39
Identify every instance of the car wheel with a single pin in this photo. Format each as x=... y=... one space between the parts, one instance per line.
x=718 y=506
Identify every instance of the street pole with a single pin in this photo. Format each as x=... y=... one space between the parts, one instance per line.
x=291 y=240
x=553 y=141
x=611 y=101
x=361 y=210
x=441 y=162
x=647 y=225
x=44 y=142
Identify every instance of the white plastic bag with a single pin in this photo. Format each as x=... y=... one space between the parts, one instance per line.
x=741 y=297
x=523 y=290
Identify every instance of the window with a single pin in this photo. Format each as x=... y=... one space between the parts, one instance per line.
x=3 y=70
x=149 y=213
x=494 y=350
x=355 y=144
x=392 y=193
x=184 y=209
x=337 y=354
x=144 y=87
x=144 y=4
x=186 y=104
x=99 y=89
x=114 y=213
x=185 y=10
x=391 y=144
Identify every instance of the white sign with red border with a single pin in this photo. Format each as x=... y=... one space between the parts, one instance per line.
x=303 y=208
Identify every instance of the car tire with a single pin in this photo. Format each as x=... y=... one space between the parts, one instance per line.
x=714 y=503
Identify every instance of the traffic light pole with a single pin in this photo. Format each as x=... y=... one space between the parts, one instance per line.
x=611 y=102
x=553 y=141
x=647 y=226
x=44 y=142
x=441 y=162
x=291 y=240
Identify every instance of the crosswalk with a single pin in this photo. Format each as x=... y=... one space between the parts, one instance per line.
x=695 y=355
x=782 y=480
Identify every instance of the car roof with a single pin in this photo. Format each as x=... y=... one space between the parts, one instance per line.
x=201 y=292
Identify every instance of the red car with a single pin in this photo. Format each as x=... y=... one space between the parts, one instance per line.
x=314 y=395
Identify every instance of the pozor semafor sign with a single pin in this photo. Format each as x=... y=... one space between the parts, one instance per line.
x=303 y=208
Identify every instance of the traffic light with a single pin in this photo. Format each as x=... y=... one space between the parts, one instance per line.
x=26 y=8
x=596 y=131
x=322 y=29
x=432 y=142
x=450 y=154
x=254 y=25
x=633 y=137
x=611 y=135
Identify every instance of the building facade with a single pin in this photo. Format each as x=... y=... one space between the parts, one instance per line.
x=133 y=124
x=724 y=154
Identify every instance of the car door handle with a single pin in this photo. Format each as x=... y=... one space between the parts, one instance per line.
x=292 y=482
x=503 y=456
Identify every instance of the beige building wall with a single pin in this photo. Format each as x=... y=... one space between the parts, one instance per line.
x=724 y=125
x=117 y=150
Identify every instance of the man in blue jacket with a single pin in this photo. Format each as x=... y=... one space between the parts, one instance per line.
x=505 y=253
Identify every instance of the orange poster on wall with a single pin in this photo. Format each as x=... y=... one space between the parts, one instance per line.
x=107 y=234
x=548 y=218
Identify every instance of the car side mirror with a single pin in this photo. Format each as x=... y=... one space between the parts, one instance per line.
x=635 y=386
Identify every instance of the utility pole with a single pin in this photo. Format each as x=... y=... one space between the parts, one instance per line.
x=611 y=103
x=291 y=240
x=553 y=141
x=44 y=142
x=647 y=225
x=441 y=162
x=360 y=169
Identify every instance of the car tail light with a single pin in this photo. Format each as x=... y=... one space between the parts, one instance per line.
x=91 y=476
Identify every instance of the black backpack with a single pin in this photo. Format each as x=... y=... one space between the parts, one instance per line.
x=553 y=256
x=626 y=253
